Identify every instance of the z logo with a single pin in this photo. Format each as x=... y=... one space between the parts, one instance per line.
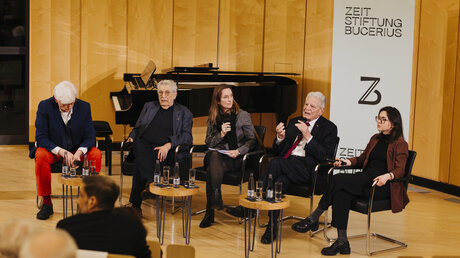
x=363 y=99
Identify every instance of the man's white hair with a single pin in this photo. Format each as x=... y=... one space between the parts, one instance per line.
x=169 y=83
x=65 y=92
x=318 y=95
x=13 y=233
x=55 y=243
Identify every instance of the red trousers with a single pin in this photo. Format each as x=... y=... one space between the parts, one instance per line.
x=43 y=160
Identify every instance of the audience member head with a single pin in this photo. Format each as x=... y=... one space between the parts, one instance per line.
x=314 y=105
x=167 y=93
x=389 y=122
x=98 y=193
x=222 y=101
x=55 y=243
x=13 y=233
x=65 y=94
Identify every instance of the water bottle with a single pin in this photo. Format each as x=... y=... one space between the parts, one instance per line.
x=269 y=188
x=157 y=173
x=65 y=169
x=85 y=169
x=176 y=180
x=251 y=187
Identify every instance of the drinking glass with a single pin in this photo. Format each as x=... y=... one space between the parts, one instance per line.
x=191 y=177
x=166 y=175
x=73 y=171
x=259 y=187
x=92 y=167
x=65 y=169
x=278 y=191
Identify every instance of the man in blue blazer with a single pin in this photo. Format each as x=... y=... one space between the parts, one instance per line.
x=305 y=142
x=64 y=131
x=161 y=126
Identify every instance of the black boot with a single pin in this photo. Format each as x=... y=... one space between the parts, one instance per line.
x=208 y=218
x=337 y=247
x=266 y=237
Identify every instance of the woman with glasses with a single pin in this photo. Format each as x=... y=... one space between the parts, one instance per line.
x=229 y=135
x=383 y=160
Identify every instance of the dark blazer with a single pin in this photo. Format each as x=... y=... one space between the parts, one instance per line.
x=321 y=147
x=245 y=135
x=50 y=129
x=182 y=123
x=397 y=154
x=108 y=231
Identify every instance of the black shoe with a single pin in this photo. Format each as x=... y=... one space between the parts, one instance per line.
x=266 y=237
x=208 y=219
x=337 y=247
x=45 y=212
x=305 y=225
x=236 y=212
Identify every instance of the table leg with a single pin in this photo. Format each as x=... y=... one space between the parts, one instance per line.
x=78 y=194
x=254 y=231
x=183 y=205
x=71 y=199
x=246 y=240
x=271 y=229
x=66 y=199
x=163 y=219
x=63 y=202
x=161 y=212
x=279 y=229
x=188 y=217
x=158 y=215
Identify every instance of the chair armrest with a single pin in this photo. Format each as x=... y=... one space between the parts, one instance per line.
x=198 y=148
x=181 y=148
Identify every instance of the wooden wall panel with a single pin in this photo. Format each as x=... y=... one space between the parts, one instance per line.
x=103 y=56
x=195 y=32
x=284 y=37
x=435 y=85
x=318 y=49
x=54 y=50
x=241 y=35
x=149 y=31
x=454 y=175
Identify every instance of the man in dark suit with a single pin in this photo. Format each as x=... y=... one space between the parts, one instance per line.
x=100 y=227
x=305 y=142
x=64 y=131
x=161 y=126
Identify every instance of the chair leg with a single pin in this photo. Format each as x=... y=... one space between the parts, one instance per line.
x=121 y=189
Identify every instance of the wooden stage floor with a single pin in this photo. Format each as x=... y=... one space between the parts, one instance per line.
x=430 y=224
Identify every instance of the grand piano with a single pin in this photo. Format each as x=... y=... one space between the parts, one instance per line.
x=255 y=92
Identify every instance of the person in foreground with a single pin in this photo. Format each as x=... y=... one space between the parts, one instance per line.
x=230 y=134
x=161 y=126
x=307 y=141
x=49 y=244
x=100 y=227
x=383 y=160
x=64 y=131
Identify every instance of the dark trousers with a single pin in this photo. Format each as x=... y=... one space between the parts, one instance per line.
x=144 y=165
x=343 y=189
x=217 y=164
x=288 y=171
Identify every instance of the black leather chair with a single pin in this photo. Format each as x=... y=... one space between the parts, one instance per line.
x=103 y=129
x=317 y=186
x=127 y=163
x=238 y=177
x=369 y=205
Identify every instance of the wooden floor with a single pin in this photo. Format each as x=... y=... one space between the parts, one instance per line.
x=430 y=224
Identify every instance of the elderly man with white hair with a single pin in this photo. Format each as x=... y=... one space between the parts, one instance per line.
x=64 y=131
x=161 y=126
x=305 y=142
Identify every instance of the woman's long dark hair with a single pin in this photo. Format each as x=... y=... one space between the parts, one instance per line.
x=215 y=109
x=395 y=118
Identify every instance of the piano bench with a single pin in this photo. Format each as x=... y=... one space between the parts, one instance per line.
x=103 y=130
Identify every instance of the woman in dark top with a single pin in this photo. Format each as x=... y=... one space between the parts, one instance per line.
x=229 y=135
x=383 y=160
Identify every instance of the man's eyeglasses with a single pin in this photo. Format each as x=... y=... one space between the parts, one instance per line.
x=166 y=93
x=380 y=120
